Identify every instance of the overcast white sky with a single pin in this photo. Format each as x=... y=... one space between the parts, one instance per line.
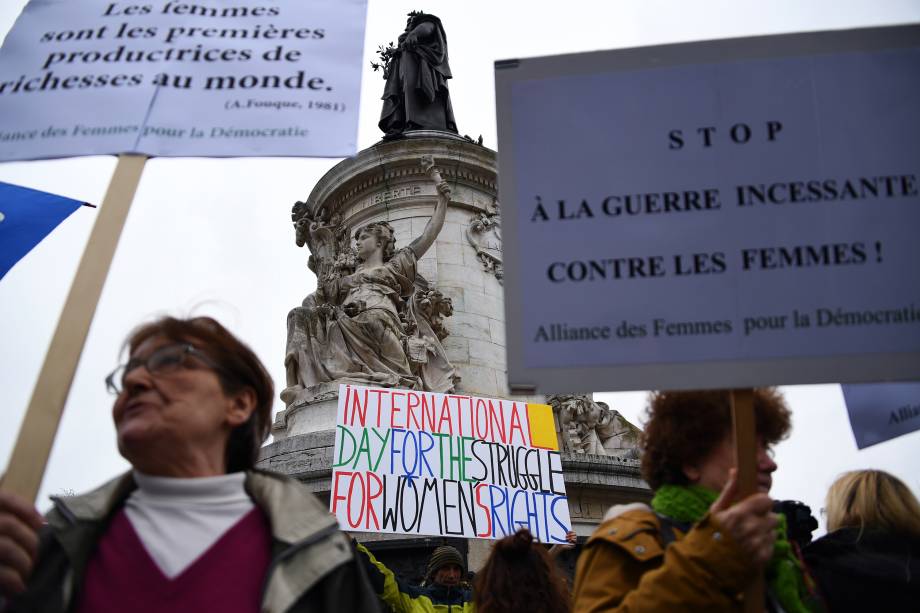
x=214 y=237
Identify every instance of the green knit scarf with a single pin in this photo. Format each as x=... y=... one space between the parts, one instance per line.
x=784 y=572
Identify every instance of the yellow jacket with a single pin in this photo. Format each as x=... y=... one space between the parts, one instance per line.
x=625 y=567
x=403 y=598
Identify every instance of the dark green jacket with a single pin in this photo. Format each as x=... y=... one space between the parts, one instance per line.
x=313 y=568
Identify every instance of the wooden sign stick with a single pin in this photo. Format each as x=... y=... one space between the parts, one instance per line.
x=745 y=437
x=36 y=435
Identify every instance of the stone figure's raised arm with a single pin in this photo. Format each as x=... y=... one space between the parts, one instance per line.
x=421 y=244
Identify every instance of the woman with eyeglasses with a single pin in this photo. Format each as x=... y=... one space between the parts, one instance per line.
x=192 y=527
x=870 y=558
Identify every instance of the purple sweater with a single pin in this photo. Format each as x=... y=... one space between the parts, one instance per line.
x=228 y=577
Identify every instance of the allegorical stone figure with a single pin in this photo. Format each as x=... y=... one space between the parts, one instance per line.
x=369 y=321
x=485 y=235
x=416 y=71
x=586 y=426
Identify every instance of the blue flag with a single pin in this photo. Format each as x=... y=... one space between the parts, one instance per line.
x=26 y=217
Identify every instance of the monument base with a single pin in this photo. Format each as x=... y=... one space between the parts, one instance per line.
x=311 y=410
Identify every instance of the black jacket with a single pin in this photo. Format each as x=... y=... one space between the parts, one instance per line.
x=875 y=572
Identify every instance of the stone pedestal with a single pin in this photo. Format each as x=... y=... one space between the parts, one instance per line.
x=386 y=182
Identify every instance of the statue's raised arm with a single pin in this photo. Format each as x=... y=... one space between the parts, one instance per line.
x=421 y=244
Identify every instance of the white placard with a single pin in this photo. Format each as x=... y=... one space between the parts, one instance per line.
x=410 y=462
x=168 y=78
x=882 y=411
x=722 y=214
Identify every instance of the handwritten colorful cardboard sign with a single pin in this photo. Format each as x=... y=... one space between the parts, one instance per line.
x=410 y=462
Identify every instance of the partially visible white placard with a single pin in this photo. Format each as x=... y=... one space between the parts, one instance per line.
x=882 y=411
x=168 y=78
x=724 y=214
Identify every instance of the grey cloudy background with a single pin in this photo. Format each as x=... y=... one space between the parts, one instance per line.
x=213 y=237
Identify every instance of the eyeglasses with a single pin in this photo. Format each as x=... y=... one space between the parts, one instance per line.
x=162 y=361
x=767 y=448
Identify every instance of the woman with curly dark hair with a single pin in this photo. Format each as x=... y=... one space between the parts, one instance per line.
x=695 y=548
x=520 y=575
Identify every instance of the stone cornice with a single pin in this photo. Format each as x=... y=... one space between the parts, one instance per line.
x=391 y=163
x=308 y=457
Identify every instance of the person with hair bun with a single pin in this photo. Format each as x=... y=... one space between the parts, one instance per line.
x=870 y=558
x=520 y=575
x=696 y=548
x=193 y=526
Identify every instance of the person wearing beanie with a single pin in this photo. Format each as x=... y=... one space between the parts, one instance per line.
x=441 y=591
x=445 y=567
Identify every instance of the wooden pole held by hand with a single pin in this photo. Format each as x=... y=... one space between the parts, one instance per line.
x=40 y=424
x=744 y=428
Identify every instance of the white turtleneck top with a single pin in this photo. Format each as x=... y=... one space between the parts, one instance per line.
x=177 y=520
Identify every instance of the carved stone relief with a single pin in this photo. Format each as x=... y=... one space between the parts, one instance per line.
x=589 y=427
x=373 y=319
x=485 y=235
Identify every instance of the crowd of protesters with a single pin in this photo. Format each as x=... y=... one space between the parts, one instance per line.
x=193 y=527
x=520 y=575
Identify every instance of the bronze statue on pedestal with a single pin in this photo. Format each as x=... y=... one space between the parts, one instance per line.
x=416 y=71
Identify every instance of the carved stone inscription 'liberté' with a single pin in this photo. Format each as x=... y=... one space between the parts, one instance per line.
x=399 y=192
